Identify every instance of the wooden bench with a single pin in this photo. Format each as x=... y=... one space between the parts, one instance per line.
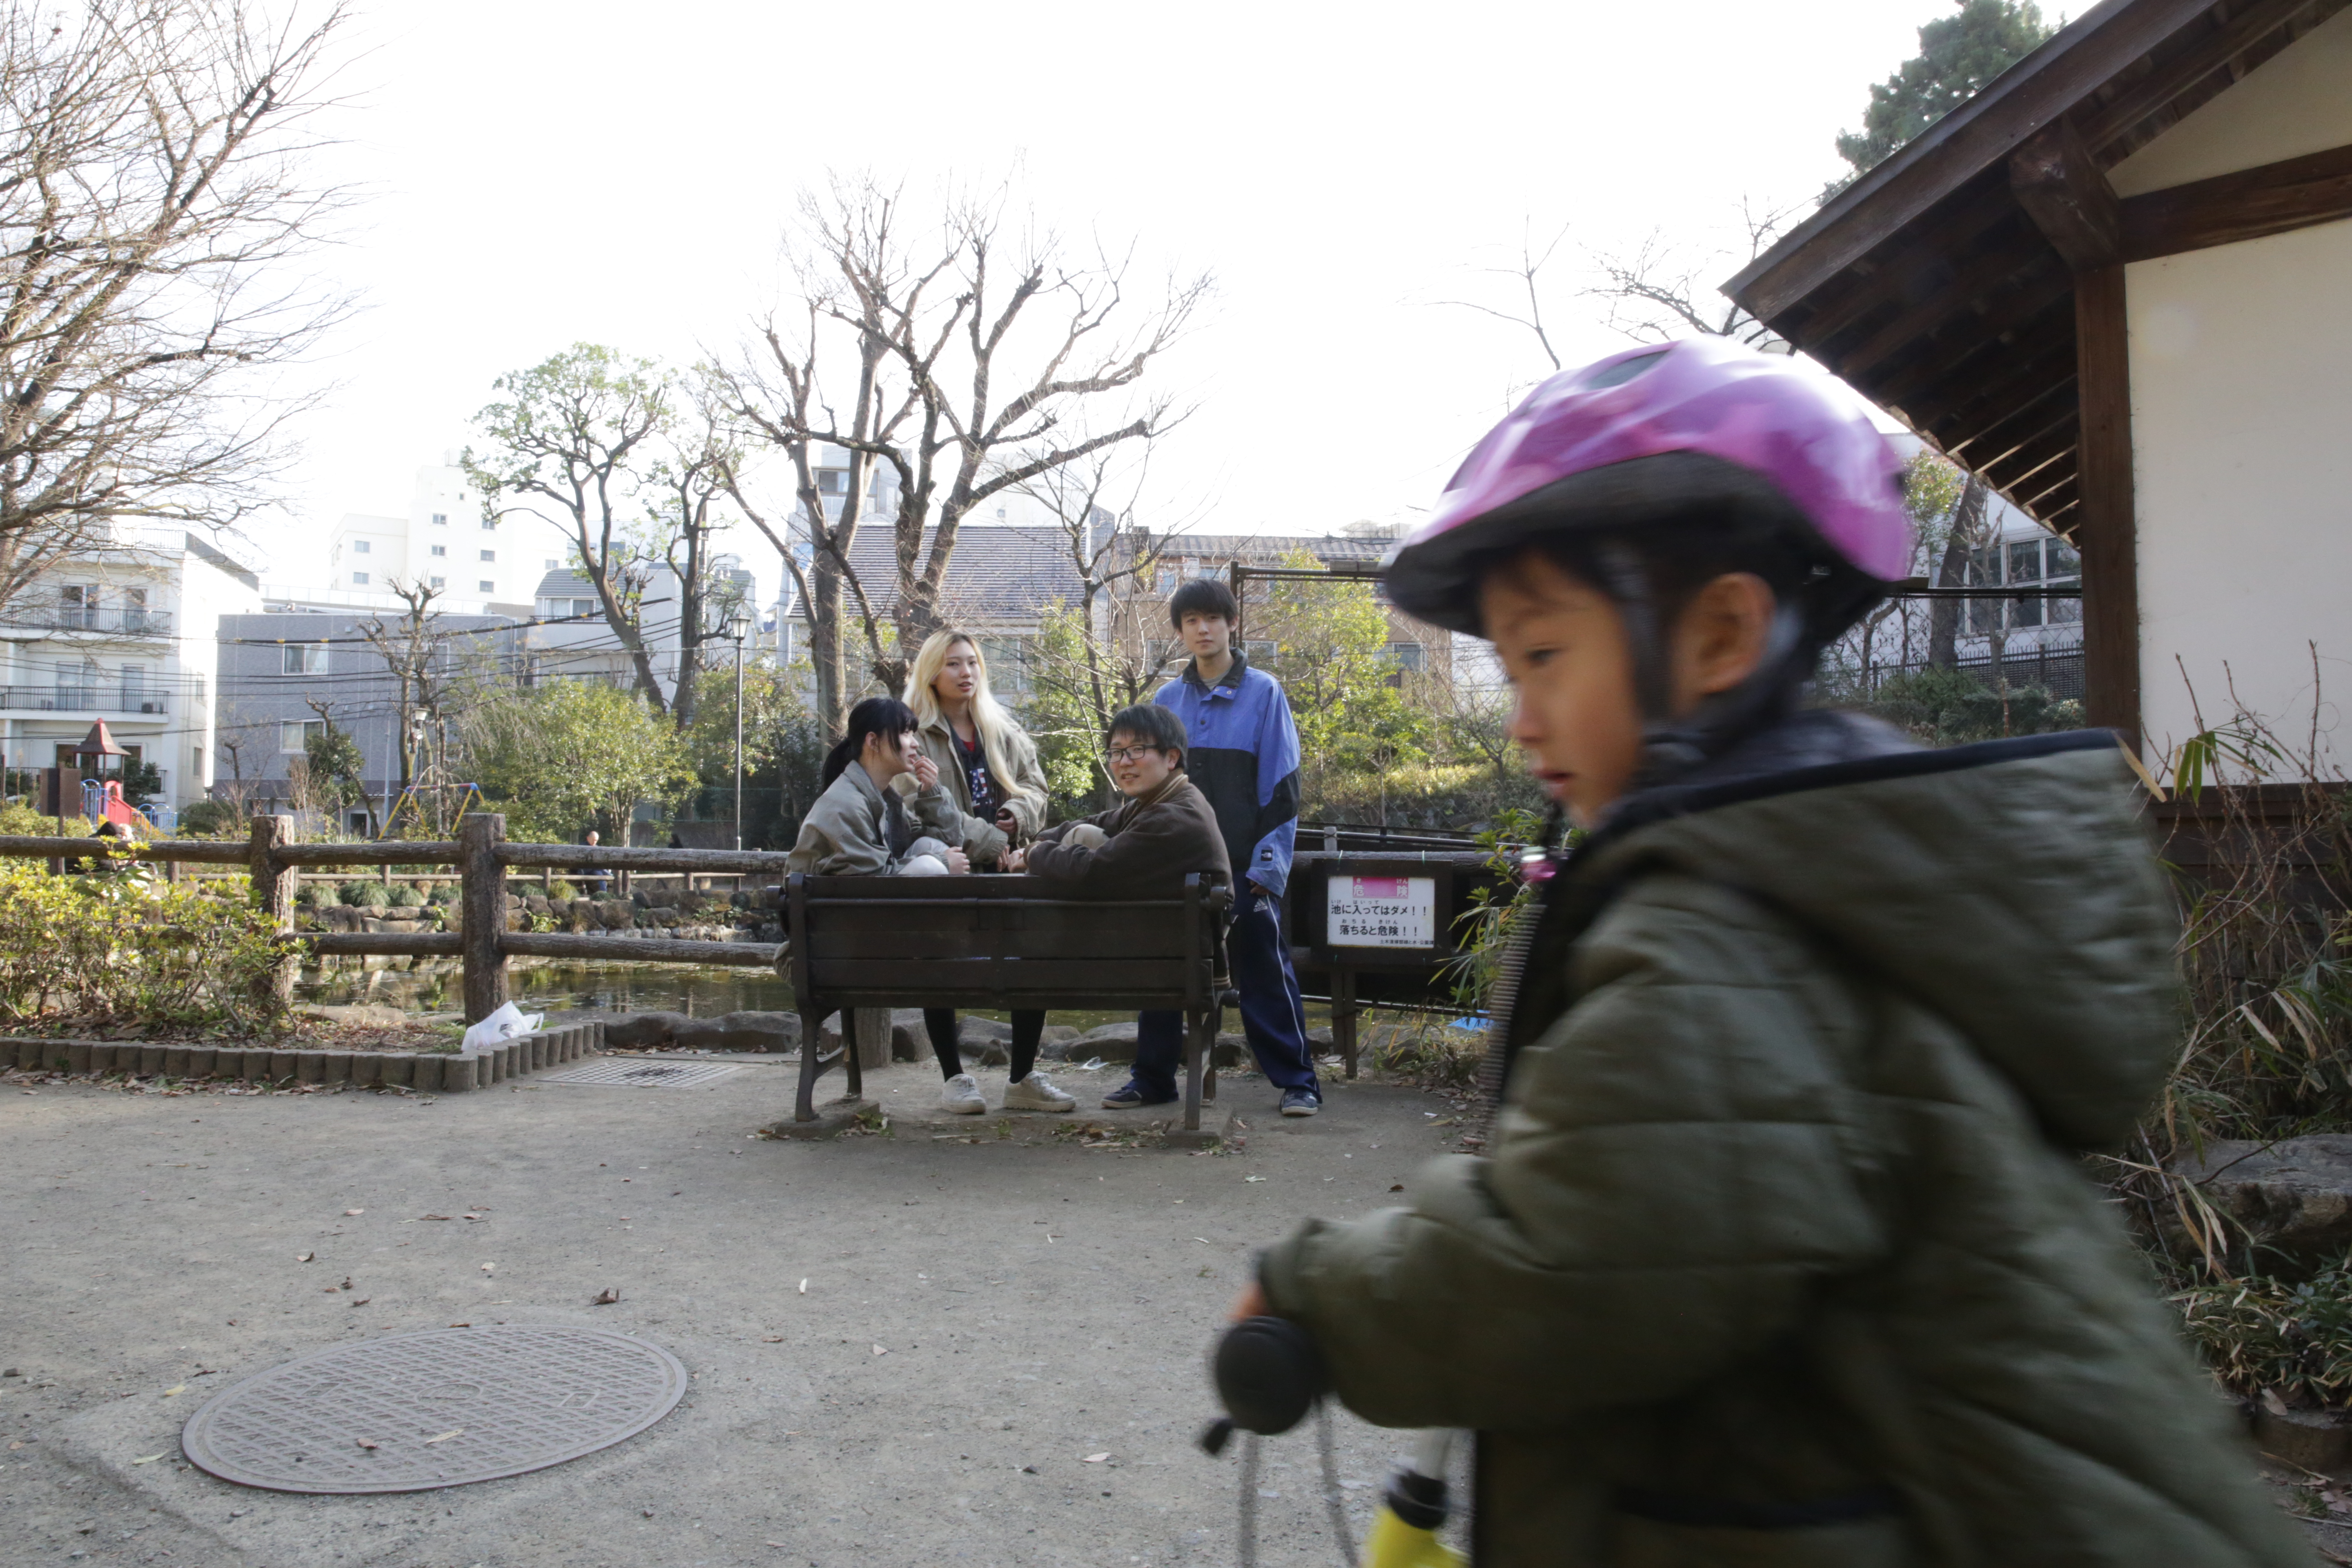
x=996 y=941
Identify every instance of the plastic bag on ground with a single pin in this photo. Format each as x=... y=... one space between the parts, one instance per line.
x=503 y=1025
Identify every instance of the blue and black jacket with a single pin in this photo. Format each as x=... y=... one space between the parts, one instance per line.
x=1242 y=751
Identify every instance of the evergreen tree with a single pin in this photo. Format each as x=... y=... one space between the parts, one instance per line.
x=1958 y=57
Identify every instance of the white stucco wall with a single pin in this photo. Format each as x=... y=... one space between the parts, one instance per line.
x=2241 y=436
x=2241 y=399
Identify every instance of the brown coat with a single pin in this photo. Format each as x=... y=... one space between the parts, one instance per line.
x=1153 y=843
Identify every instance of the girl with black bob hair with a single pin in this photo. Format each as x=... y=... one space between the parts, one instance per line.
x=883 y=813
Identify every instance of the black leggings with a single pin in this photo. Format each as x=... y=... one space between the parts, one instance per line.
x=940 y=1024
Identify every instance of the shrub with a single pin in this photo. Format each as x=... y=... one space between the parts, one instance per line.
x=1946 y=707
x=402 y=896
x=210 y=818
x=23 y=822
x=359 y=895
x=560 y=889
x=127 y=948
x=2260 y=1332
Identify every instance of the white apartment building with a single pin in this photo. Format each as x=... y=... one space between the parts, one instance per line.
x=481 y=567
x=124 y=632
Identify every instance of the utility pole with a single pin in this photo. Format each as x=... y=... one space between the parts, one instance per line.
x=738 y=626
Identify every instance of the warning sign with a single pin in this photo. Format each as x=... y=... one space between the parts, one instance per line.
x=1381 y=911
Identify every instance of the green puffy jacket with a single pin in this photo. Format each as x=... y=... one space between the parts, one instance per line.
x=1783 y=1254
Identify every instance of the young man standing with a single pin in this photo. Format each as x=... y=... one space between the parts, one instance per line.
x=1242 y=751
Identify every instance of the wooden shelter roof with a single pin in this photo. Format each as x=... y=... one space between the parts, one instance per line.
x=1934 y=285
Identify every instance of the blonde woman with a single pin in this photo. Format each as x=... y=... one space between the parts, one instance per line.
x=988 y=769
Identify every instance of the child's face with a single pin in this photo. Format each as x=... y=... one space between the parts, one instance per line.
x=1562 y=643
x=1137 y=766
x=1205 y=636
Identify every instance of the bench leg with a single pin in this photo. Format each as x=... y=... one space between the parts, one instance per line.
x=849 y=1053
x=812 y=1064
x=1199 y=1041
x=1209 y=1063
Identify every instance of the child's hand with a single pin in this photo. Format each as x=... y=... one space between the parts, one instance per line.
x=1013 y=862
x=926 y=772
x=1250 y=1303
x=1006 y=823
x=959 y=863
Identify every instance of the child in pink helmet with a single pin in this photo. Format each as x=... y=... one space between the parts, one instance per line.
x=1780 y=1252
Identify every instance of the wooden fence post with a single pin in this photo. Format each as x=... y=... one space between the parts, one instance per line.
x=483 y=902
x=273 y=892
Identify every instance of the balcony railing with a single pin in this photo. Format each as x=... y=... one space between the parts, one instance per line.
x=115 y=619
x=85 y=698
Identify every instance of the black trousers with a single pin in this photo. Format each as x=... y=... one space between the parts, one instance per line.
x=940 y=1024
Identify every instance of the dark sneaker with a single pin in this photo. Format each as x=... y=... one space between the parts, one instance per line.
x=1133 y=1096
x=1300 y=1102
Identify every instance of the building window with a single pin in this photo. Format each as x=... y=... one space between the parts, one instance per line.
x=295 y=737
x=440 y=520
x=360 y=578
x=486 y=586
x=440 y=582
x=551 y=565
x=2039 y=563
x=306 y=658
x=361 y=547
x=832 y=482
x=1409 y=655
x=489 y=524
x=77 y=604
x=440 y=550
x=489 y=555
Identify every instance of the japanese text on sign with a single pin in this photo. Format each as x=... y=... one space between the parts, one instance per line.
x=1381 y=911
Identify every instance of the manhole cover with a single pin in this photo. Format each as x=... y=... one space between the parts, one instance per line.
x=625 y=1074
x=413 y=1412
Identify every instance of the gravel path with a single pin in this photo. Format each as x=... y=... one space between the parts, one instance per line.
x=1039 y=1302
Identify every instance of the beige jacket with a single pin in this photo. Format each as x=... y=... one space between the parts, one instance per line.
x=980 y=837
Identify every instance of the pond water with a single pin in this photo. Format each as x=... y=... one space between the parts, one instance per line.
x=698 y=992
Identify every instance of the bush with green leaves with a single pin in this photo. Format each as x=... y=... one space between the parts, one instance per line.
x=569 y=755
x=359 y=895
x=2260 y=1332
x=1946 y=707
x=402 y=896
x=210 y=819
x=125 y=947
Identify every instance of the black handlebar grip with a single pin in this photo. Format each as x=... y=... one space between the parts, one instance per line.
x=1268 y=1374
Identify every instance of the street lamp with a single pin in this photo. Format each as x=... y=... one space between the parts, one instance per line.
x=738 y=626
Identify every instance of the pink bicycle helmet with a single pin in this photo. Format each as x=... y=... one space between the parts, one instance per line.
x=1698 y=427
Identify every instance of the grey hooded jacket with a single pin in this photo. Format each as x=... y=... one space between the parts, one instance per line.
x=847 y=832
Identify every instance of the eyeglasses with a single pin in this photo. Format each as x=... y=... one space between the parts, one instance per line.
x=1130 y=753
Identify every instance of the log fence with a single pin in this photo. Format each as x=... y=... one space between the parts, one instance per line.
x=483 y=859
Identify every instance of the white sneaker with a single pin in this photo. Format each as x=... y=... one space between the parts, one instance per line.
x=960 y=1095
x=1036 y=1093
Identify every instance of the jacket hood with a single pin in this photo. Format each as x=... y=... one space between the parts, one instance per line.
x=2007 y=885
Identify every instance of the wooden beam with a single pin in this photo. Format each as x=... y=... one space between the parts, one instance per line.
x=2107 y=534
x=2273 y=198
x=1979 y=337
x=2136 y=101
x=2054 y=79
x=2069 y=200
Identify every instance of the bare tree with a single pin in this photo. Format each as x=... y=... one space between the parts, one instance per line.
x=947 y=368
x=1658 y=291
x=1094 y=502
x=578 y=432
x=684 y=487
x=1652 y=293
x=150 y=190
x=409 y=648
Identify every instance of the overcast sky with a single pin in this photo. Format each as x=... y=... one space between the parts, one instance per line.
x=540 y=172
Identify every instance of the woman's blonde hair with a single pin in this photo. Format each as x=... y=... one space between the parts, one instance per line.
x=996 y=726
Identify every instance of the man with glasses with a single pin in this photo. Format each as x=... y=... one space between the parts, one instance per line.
x=1142 y=848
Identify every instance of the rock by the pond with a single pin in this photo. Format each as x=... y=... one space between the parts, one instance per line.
x=1116 y=1043
x=1058 y=1034
x=2294 y=1196
x=639 y=1031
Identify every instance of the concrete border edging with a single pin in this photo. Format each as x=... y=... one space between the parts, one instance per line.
x=428 y=1072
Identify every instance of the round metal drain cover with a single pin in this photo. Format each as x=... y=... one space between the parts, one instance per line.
x=411 y=1412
